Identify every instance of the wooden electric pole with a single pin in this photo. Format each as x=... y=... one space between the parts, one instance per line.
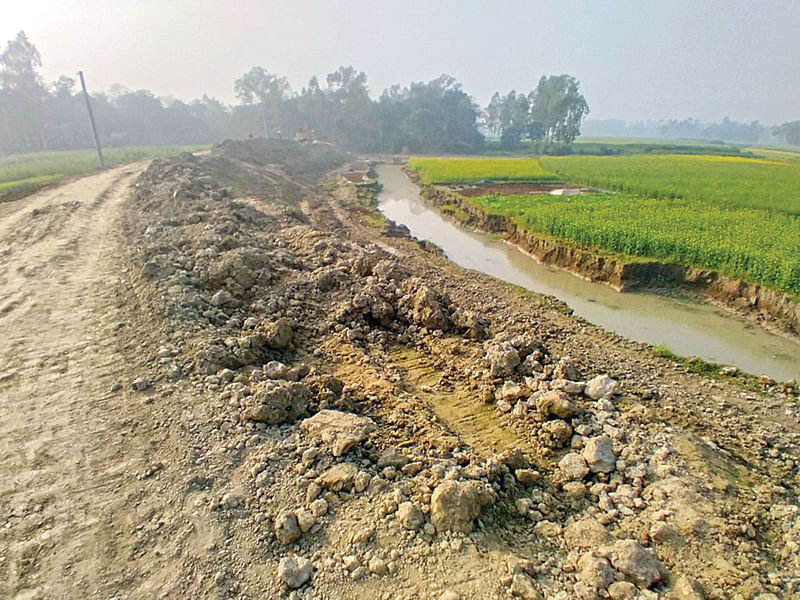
x=100 y=160
x=264 y=124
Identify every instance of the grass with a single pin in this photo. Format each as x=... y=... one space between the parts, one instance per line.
x=376 y=221
x=455 y=210
x=24 y=173
x=690 y=363
x=665 y=352
x=471 y=170
x=628 y=146
x=28 y=183
x=779 y=155
x=710 y=370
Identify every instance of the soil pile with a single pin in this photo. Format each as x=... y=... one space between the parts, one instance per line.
x=572 y=485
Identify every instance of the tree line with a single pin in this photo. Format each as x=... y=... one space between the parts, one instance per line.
x=433 y=116
x=424 y=117
x=727 y=130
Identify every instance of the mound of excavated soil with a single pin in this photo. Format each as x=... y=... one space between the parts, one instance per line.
x=464 y=432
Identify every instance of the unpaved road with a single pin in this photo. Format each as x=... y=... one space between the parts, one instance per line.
x=65 y=456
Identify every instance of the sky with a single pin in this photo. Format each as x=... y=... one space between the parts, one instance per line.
x=635 y=59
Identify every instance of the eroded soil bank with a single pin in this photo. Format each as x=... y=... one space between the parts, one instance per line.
x=269 y=398
x=772 y=309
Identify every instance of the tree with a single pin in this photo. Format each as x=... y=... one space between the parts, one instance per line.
x=63 y=87
x=142 y=117
x=345 y=81
x=688 y=128
x=23 y=93
x=559 y=107
x=351 y=111
x=535 y=130
x=215 y=116
x=260 y=87
x=65 y=124
x=733 y=131
x=789 y=132
x=493 y=116
x=437 y=116
x=312 y=104
x=514 y=119
x=18 y=65
x=432 y=116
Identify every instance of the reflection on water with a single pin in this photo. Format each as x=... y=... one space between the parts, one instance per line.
x=689 y=329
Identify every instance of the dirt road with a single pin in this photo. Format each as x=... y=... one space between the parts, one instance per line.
x=65 y=458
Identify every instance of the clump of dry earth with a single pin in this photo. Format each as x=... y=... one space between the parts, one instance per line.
x=350 y=414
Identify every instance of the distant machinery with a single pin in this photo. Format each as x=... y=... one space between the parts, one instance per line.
x=306 y=134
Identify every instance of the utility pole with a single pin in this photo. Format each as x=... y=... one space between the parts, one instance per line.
x=100 y=160
x=264 y=124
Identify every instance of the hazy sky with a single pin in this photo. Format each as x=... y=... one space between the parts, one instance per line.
x=636 y=59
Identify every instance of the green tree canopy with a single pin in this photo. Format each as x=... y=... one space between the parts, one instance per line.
x=559 y=107
x=553 y=112
x=437 y=116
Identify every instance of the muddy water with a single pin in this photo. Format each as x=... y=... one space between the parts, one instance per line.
x=687 y=328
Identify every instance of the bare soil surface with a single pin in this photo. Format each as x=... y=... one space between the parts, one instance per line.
x=221 y=379
x=515 y=188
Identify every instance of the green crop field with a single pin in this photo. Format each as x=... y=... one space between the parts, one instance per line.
x=736 y=215
x=768 y=183
x=21 y=173
x=752 y=244
x=470 y=170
